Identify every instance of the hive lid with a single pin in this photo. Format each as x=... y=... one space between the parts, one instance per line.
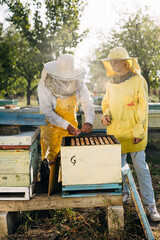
x=23 y=138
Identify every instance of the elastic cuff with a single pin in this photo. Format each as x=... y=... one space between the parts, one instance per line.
x=65 y=125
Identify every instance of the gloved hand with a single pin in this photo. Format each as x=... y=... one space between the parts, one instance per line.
x=87 y=128
x=72 y=130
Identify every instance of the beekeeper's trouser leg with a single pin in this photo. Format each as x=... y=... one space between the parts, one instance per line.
x=143 y=175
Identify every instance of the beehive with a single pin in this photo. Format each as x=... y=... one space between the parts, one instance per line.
x=91 y=160
x=18 y=163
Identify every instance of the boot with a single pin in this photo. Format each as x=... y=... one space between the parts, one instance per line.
x=45 y=171
x=153 y=213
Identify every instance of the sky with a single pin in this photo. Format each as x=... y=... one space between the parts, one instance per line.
x=100 y=16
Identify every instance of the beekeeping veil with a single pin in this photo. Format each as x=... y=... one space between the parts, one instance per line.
x=120 y=53
x=63 y=77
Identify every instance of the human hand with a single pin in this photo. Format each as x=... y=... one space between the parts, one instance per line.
x=136 y=140
x=87 y=128
x=106 y=120
x=72 y=130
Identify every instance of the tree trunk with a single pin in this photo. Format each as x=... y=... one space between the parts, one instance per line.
x=28 y=97
x=145 y=74
x=28 y=93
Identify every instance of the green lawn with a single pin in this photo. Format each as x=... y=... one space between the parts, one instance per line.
x=23 y=101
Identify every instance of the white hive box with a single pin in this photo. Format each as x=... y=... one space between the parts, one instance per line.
x=18 y=164
x=91 y=161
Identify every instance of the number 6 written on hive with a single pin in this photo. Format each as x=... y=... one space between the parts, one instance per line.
x=73 y=161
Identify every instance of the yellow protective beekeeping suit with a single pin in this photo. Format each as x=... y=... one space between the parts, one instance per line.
x=127 y=105
x=51 y=136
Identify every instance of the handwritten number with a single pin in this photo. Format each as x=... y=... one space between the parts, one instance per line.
x=73 y=161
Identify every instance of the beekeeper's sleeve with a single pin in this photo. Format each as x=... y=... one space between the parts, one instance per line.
x=47 y=104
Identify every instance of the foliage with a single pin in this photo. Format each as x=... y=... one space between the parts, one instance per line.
x=139 y=34
x=44 y=39
x=63 y=20
x=9 y=53
x=19 y=62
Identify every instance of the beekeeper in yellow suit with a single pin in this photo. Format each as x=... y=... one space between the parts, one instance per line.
x=125 y=114
x=60 y=88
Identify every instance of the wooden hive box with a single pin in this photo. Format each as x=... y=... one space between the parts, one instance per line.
x=18 y=163
x=90 y=163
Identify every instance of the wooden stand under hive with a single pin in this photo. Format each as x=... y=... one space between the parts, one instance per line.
x=91 y=165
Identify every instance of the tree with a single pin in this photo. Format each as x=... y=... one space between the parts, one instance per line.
x=58 y=33
x=19 y=64
x=139 y=34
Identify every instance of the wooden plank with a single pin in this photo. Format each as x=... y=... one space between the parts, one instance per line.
x=105 y=140
x=43 y=202
x=91 y=141
x=24 y=138
x=21 y=118
x=13 y=147
x=110 y=140
x=77 y=142
x=72 y=142
x=96 y=141
x=87 y=141
x=82 y=141
x=28 y=109
x=13 y=161
x=100 y=140
x=10 y=106
x=14 y=180
x=138 y=204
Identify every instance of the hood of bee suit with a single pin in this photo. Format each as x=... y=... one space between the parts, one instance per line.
x=63 y=77
x=65 y=68
x=120 y=53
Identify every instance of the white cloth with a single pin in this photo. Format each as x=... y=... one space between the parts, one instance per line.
x=48 y=103
x=62 y=89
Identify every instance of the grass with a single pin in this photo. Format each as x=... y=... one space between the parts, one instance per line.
x=23 y=101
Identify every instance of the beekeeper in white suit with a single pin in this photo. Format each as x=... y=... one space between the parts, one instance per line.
x=60 y=88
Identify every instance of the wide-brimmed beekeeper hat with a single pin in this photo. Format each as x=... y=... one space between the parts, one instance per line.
x=120 y=53
x=65 y=68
